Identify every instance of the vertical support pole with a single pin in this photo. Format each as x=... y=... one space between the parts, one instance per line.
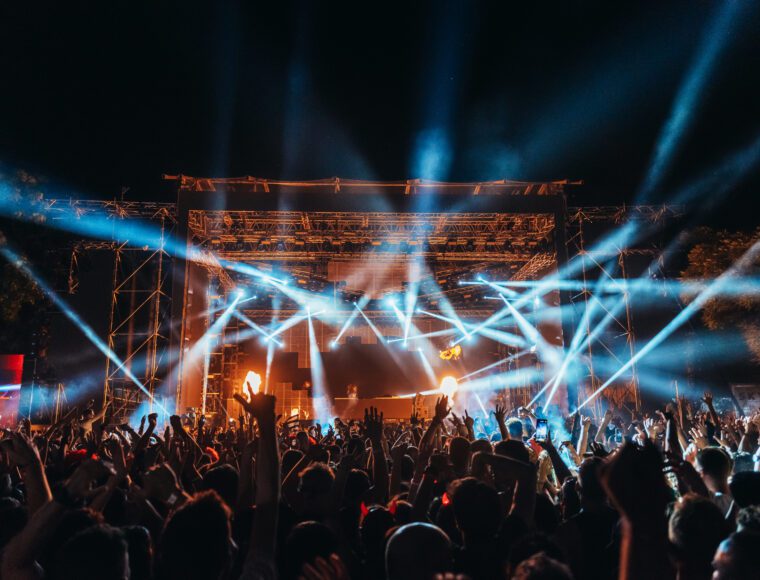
x=152 y=356
x=592 y=374
x=630 y=338
x=107 y=386
x=565 y=302
x=180 y=280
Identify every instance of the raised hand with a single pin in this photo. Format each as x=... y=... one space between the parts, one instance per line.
x=80 y=482
x=176 y=422
x=500 y=413
x=249 y=390
x=708 y=398
x=373 y=424
x=642 y=464
x=20 y=450
x=699 y=435
x=650 y=428
x=442 y=408
x=414 y=419
x=469 y=422
x=642 y=507
x=260 y=407
x=117 y=456
x=598 y=449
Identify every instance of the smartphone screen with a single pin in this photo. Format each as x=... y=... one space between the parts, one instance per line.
x=542 y=430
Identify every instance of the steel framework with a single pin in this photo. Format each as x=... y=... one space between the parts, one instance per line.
x=292 y=236
x=221 y=364
x=249 y=184
x=454 y=243
x=617 y=340
x=139 y=313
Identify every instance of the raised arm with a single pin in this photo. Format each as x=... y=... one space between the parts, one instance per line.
x=599 y=437
x=179 y=431
x=500 y=414
x=23 y=453
x=19 y=556
x=264 y=531
x=426 y=443
x=708 y=399
x=583 y=441
x=560 y=468
x=469 y=424
x=397 y=455
x=121 y=472
x=442 y=409
x=142 y=442
x=575 y=430
x=524 y=500
x=644 y=546
x=374 y=425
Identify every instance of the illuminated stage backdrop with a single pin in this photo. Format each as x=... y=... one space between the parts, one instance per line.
x=356 y=246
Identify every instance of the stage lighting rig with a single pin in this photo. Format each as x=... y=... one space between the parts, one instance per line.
x=452 y=353
x=390 y=300
x=448 y=386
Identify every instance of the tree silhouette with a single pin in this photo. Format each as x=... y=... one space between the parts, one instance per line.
x=713 y=252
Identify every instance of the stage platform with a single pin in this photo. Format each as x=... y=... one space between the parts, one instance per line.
x=398 y=408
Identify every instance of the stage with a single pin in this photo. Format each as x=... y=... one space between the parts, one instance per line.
x=318 y=285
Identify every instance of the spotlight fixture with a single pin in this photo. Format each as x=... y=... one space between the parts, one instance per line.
x=452 y=353
x=448 y=386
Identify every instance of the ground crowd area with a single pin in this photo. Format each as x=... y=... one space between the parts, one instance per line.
x=673 y=493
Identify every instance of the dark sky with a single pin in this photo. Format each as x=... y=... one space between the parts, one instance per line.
x=99 y=95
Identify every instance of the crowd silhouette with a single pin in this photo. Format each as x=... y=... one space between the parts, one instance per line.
x=674 y=493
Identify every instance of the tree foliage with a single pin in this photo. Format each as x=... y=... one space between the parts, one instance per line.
x=21 y=300
x=714 y=252
x=16 y=291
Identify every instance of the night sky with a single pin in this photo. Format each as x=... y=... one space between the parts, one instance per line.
x=100 y=95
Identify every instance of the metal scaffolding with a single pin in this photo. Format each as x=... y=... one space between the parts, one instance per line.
x=285 y=236
x=221 y=365
x=139 y=313
x=137 y=330
x=613 y=340
x=250 y=184
x=517 y=245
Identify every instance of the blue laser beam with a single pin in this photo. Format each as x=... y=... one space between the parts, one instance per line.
x=681 y=318
x=91 y=335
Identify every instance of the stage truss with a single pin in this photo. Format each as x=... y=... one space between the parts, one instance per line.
x=138 y=329
x=608 y=266
x=455 y=245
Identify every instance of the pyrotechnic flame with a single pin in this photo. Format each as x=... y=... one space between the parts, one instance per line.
x=254 y=380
